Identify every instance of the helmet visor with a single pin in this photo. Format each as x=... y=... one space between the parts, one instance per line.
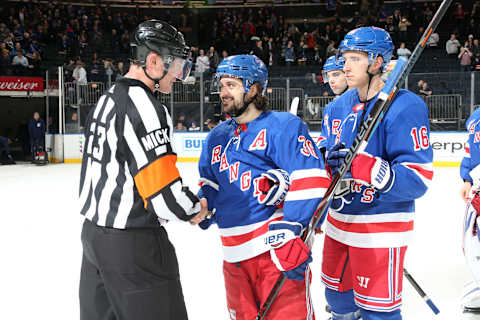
x=180 y=68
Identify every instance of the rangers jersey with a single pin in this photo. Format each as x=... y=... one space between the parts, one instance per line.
x=468 y=167
x=368 y=218
x=231 y=163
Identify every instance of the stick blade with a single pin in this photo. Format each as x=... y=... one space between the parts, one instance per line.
x=294 y=106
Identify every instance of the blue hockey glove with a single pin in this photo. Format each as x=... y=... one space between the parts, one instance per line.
x=336 y=157
x=273 y=186
x=288 y=252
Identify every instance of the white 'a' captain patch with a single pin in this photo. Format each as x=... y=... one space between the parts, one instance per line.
x=260 y=141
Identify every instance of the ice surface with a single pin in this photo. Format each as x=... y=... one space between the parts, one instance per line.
x=41 y=250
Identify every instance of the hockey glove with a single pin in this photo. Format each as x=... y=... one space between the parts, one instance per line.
x=335 y=158
x=208 y=190
x=273 y=186
x=288 y=252
x=372 y=171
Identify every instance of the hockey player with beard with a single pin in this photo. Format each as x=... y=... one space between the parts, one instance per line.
x=332 y=74
x=470 y=173
x=249 y=165
x=370 y=224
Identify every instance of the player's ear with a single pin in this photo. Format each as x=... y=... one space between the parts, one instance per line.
x=377 y=65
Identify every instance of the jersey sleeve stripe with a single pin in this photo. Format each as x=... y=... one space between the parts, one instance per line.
x=231 y=241
x=308 y=173
x=205 y=181
x=309 y=183
x=424 y=170
x=306 y=194
x=156 y=176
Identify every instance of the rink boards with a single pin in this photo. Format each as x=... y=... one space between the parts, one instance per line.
x=448 y=147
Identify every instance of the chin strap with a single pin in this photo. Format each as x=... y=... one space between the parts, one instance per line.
x=155 y=80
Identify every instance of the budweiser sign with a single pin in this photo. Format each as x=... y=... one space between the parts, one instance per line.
x=21 y=84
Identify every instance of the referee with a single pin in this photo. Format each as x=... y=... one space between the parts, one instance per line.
x=130 y=186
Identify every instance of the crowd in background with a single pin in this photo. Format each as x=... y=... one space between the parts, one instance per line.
x=92 y=43
x=98 y=37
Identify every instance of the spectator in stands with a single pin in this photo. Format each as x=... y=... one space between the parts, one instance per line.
x=452 y=46
x=5 y=63
x=194 y=127
x=16 y=49
x=80 y=79
x=213 y=58
x=73 y=126
x=476 y=49
x=465 y=57
x=403 y=51
x=419 y=86
x=432 y=42
x=426 y=90
x=289 y=54
x=331 y=50
x=180 y=126
x=20 y=64
x=224 y=55
x=260 y=52
x=403 y=29
x=202 y=63
x=80 y=74
x=120 y=71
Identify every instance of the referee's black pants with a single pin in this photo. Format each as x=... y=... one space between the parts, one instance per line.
x=129 y=274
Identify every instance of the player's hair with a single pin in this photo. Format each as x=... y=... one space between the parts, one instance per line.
x=260 y=101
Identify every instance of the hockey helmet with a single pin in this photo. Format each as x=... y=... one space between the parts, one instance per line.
x=371 y=40
x=163 y=39
x=471 y=241
x=249 y=68
x=332 y=63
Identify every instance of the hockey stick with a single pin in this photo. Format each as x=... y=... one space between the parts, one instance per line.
x=422 y=293
x=294 y=106
x=379 y=109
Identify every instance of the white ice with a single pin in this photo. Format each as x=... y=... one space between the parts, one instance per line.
x=41 y=251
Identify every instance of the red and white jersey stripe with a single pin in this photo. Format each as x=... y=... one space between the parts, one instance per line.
x=245 y=242
x=382 y=230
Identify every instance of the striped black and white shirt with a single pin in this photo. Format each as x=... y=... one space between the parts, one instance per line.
x=129 y=178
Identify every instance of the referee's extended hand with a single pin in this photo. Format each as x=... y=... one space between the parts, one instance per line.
x=202 y=214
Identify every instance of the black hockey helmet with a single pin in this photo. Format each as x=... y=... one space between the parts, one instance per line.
x=165 y=40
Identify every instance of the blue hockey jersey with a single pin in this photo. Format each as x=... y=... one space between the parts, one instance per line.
x=366 y=217
x=330 y=126
x=469 y=169
x=232 y=160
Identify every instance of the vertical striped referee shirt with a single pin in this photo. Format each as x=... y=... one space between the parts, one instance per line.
x=129 y=178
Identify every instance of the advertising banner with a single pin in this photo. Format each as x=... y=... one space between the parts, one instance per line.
x=21 y=84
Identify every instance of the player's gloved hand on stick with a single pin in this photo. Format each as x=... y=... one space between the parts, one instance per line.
x=373 y=171
x=273 y=185
x=335 y=159
x=365 y=168
x=288 y=252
